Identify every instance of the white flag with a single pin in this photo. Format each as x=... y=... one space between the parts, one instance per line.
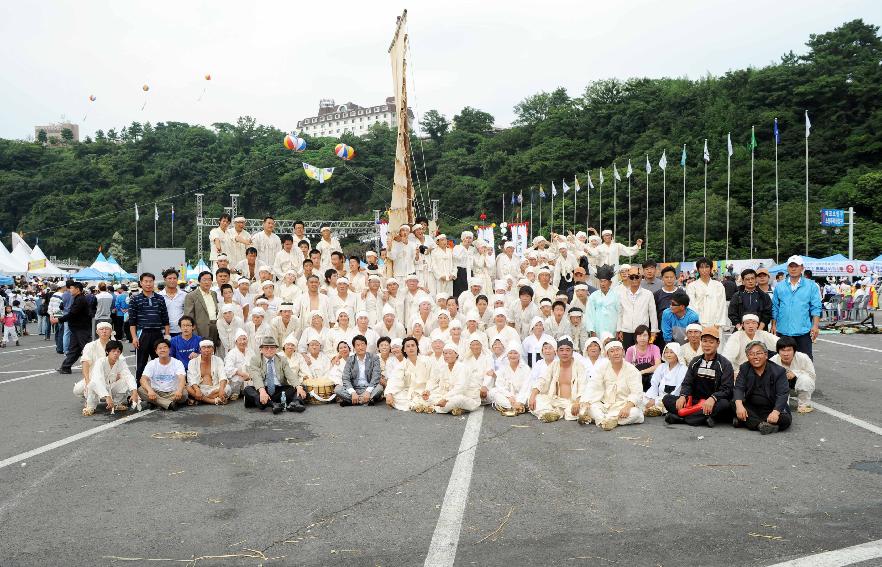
x=629 y=171
x=590 y=183
x=601 y=177
x=577 y=184
x=553 y=190
x=729 y=143
x=137 y=216
x=706 y=153
x=565 y=186
x=808 y=125
x=155 y=212
x=648 y=167
x=663 y=162
x=616 y=172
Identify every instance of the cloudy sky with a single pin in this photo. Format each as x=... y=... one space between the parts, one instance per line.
x=275 y=60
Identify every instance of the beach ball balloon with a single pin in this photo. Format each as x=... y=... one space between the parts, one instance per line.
x=344 y=152
x=145 y=88
x=208 y=77
x=294 y=143
x=93 y=98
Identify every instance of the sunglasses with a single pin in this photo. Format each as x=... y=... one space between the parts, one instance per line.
x=633 y=277
x=675 y=304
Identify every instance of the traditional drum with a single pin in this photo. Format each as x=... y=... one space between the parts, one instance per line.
x=319 y=390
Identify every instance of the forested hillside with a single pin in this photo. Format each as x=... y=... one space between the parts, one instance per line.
x=74 y=197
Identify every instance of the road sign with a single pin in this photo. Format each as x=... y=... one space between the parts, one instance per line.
x=832 y=217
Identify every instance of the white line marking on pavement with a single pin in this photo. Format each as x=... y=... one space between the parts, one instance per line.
x=43 y=373
x=844 y=556
x=67 y=440
x=23 y=371
x=24 y=349
x=852 y=346
x=849 y=418
x=442 y=550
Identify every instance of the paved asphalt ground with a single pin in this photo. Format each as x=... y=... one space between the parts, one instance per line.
x=369 y=486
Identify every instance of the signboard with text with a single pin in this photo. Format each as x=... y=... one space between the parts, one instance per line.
x=832 y=217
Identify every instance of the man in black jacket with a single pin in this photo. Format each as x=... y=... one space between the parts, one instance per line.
x=750 y=299
x=710 y=378
x=79 y=321
x=761 y=393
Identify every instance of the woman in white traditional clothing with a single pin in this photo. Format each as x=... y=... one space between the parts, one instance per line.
x=456 y=389
x=342 y=331
x=532 y=344
x=463 y=258
x=338 y=362
x=317 y=325
x=442 y=266
x=316 y=363
x=617 y=392
x=593 y=356
x=455 y=330
x=442 y=325
x=479 y=362
x=511 y=388
x=288 y=290
x=257 y=328
x=406 y=389
x=418 y=331
x=236 y=364
x=484 y=265
x=666 y=379
x=389 y=326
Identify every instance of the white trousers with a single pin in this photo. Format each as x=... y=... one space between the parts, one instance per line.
x=600 y=413
x=462 y=402
x=556 y=404
x=119 y=391
x=9 y=335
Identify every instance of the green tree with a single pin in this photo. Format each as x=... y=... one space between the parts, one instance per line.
x=473 y=120
x=538 y=107
x=41 y=137
x=117 y=249
x=435 y=125
x=67 y=135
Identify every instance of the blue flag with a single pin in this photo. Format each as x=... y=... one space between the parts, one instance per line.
x=777 y=136
x=683 y=157
x=513 y=199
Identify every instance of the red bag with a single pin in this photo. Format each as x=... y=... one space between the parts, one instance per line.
x=690 y=408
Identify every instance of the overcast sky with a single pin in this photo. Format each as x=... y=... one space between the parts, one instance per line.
x=275 y=60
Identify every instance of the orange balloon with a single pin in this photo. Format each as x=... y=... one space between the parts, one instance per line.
x=208 y=77
x=145 y=88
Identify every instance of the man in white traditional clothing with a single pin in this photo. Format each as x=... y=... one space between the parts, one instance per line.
x=403 y=253
x=463 y=257
x=616 y=392
x=266 y=243
x=288 y=258
x=327 y=245
x=220 y=238
x=637 y=308
x=206 y=378
x=501 y=328
x=468 y=298
x=227 y=326
x=563 y=267
x=284 y=323
x=457 y=389
x=240 y=240
x=511 y=388
x=800 y=372
x=95 y=351
x=110 y=381
x=750 y=331
x=559 y=391
x=611 y=251
x=507 y=264
x=236 y=365
x=441 y=263
x=707 y=296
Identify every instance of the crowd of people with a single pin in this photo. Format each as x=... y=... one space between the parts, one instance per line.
x=566 y=331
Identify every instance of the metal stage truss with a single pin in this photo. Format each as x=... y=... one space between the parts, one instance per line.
x=365 y=231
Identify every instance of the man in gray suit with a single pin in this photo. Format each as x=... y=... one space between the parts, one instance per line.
x=201 y=305
x=361 y=377
x=272 y=380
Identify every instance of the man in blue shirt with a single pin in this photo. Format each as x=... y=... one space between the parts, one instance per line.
x=120 y=311
x=66 y=302
x=796 y=307
x=185 y=346
x=677 y=317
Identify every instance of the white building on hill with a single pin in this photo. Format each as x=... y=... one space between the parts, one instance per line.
x=334 y=120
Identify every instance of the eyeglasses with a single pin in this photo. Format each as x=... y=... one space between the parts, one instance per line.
x=633 y=277
x=675 y=304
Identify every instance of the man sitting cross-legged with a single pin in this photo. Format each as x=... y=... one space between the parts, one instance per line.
x=710 y=378
x=206 y=379
x=163 y=382
x=761 y=393
x=615 y=394
x=455 y=388
x=361 y=377
x=558 y=392
x=111 y=381
x=273 y=380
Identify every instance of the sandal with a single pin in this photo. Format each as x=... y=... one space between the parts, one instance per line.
x=191 y=402
x=121 y=407
x=88 y=411
x=805 y=409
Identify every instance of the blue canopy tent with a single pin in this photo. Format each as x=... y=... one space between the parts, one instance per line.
x=5 y=280
x=90 y=274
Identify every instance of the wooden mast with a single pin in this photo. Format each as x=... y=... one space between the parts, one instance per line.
x=401 y=209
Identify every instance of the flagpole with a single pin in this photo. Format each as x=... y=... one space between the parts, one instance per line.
x=600 y=203
x=551 y=216
x=531 y=215
x=563 y=210
x=806 y=186
x=588 y=213
x=503 y=208
x=615 y=207
x=684 y=208
x=704 y=245
x=155 y=220
x=629 y=210
x=646 y=224
x=575 y=202
x=664 y=212
x=136 y=237
x=173 y=227
x=728 y=187
x=752 y=149
x=540 y=212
